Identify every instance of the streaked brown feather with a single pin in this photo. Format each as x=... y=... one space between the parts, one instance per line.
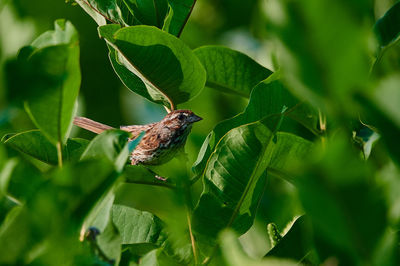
x=90 y=125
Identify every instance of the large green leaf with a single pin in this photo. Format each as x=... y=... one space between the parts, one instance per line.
x=267 y=99
x=36 y=145
x=179 y=12
x=231 y=191
x=168 y=68
x=47 y=77
x=387 y=28
x=233 y=181
x=229 y=70
x=290 y=150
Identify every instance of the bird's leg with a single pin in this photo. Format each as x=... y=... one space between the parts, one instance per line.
x=158 y=177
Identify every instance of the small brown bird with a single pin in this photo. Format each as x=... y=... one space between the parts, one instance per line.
x=161 y=140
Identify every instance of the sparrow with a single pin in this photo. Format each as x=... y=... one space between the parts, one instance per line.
x=161 y=141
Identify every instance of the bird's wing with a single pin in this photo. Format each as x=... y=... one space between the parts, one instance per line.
x=90 y=125
x=135 y=130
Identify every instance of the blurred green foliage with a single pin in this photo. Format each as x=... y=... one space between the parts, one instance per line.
x=297 y=156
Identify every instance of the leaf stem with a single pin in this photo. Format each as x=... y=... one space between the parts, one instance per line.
x=59 y=154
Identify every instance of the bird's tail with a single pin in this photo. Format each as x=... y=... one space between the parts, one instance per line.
x=90 y=125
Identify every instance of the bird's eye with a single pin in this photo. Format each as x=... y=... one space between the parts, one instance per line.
x=181 y=116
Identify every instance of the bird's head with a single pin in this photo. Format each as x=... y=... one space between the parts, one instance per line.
x=181 y=117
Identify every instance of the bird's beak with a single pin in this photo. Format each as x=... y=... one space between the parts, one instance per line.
x=194 y=118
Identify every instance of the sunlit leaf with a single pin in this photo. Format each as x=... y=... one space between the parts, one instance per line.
x=267 y=99
x=169 y=69
x=231 y=191
x=103 y=10
x=137 y=227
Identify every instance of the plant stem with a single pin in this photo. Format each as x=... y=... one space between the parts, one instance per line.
x=322 y=127
x=192 y=240
x=59 y=154
x=186 y=186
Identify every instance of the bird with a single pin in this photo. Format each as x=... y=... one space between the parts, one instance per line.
x=161 y=141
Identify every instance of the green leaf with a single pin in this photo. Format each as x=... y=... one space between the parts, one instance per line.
x=230 y=71
x=14 y=235
x=179 y=12
x=381 y=111
x=19 y=180
x=234 y=255
x=47 y=77
x=295 y=243
x=109 y=241
x=169 y=69
x=82 y=185
x=231 y=191
x=36 y=145
x=290 y=151
x=103 y=10
x=157 y=257
x=137 y=228
x=98 y=17
x=148 y=12
x=111 y=145
x=99 y=216
x=267 y=100
x=387 y=27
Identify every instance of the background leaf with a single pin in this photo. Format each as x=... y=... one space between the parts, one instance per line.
x=36 y=145
x=48 y=79
x=225 y=67
x=386 y=28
